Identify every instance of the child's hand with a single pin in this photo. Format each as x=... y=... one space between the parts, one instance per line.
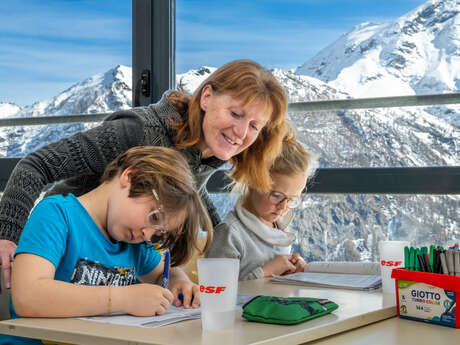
x=190 y=293
x=144 y=299
x=281 y=264
x=298 y=262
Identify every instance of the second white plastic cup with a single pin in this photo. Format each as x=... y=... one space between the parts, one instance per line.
x=391 y=256
x=218 y=280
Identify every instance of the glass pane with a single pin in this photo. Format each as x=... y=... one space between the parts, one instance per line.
x=381 y=137
x=288 y=35
x=60 y=58
x=348 y=227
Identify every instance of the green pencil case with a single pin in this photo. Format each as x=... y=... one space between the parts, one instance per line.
x=286 y=310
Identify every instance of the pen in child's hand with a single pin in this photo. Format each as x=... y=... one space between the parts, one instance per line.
x=164 y=282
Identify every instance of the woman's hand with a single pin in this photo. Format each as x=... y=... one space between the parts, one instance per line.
x=281 y=264
x=189 y=291
x=298 y=262
x=7 y=249
x=142 y=299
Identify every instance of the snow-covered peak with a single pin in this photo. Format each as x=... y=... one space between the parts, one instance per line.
x=8 y=109
x=191 y=80
x=103 y=92
x=415 y=54
x=301 y=88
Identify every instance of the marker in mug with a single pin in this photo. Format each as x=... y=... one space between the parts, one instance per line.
x=427 y=263
x=442 y=255
x=457 y=262
x=431 y=257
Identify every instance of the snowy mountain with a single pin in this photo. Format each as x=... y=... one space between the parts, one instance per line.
x=191 y=80
x=8 y=109
x=101 y=93
x=418 y=53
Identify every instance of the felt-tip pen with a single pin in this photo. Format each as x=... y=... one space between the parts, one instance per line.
x=450 y=261
x=426 y=261
x=457 y=262
x=421 y=263
x=442 y=255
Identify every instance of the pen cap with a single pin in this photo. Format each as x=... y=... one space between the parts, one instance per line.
x=417 y=264
x=431 y=257
x=406 y=257
x=412 y=258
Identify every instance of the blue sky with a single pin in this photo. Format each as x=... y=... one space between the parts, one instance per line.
x=48 y=45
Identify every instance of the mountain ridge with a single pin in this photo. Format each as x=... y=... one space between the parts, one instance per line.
x=418 y=53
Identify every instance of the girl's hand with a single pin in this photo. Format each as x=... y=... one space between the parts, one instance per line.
x=281 y=264
x=190 y=293
x=298 y=262
x=142 y=299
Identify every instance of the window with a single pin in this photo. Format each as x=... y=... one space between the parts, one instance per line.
x=61 y=58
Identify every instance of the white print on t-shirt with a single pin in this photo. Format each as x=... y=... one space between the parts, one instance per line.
x=88 y=272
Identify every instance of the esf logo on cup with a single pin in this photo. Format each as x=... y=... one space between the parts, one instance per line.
x=391 y=263
x=212 y=289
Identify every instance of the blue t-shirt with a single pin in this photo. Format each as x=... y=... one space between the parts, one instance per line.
x=62 y=231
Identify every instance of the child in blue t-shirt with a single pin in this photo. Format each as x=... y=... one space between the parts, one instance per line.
x=79 y=256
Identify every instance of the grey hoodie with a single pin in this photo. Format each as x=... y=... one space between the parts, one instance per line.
x=243 y=236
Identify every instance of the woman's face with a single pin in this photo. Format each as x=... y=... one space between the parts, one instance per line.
x=260 y=205
x=229 y=127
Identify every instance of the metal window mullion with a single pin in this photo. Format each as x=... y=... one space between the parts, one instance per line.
x=154 y=45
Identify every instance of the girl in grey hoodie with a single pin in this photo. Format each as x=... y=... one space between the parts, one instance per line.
x=256 y=231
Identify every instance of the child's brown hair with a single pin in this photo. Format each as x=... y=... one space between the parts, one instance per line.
x=166 y=171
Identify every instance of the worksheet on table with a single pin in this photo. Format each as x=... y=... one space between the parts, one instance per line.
x=172 y=314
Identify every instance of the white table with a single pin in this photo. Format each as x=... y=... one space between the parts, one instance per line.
x=356 y=309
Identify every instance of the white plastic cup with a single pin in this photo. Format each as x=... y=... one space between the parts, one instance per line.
x=218 y=280
x=391 y=256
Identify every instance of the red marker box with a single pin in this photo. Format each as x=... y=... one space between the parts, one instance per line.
x=427 y=297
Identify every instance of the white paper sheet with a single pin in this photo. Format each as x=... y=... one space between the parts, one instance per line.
x=347 y=281
x=173 y=314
